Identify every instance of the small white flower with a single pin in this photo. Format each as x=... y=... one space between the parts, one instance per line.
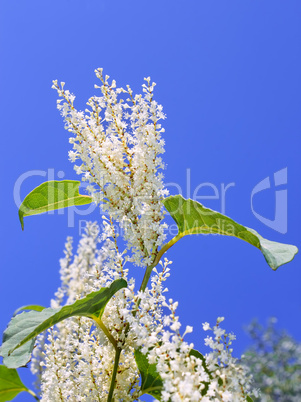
x=206 y=326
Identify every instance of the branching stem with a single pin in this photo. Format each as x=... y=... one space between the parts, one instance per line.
x=156 y=262
x=106 y=331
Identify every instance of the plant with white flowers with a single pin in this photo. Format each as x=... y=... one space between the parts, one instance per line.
x=105 y=338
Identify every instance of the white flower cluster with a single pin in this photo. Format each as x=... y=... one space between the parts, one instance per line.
x=76 y=362
x=275 y=362
x=230 y=380
x=186 y=375
x=118 y=142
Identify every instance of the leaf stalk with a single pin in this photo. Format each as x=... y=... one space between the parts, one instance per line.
x=106 y=331
x=33 y=394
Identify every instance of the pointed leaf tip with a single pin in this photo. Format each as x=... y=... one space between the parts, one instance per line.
x=10 y=384
x=50 y=196
x=193 y=218
x=34 y=307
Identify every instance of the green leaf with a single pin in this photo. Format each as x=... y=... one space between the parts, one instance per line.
x=151 y=382
x=249 y=399
x=10 y=384
x=34 y=307
x=19 y=337
x=193 y=218
x=52 y=195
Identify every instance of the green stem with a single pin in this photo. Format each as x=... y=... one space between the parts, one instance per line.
x=142 y=289
x=146 y=277
x=113 y=380
x=33 y=394
x=152 y=266
x=165 y=248
x=156 y=262
x=106 y=331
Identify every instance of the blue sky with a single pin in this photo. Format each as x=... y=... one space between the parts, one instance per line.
x=228 y=76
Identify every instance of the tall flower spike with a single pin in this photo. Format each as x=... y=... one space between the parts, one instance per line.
x=119 y=142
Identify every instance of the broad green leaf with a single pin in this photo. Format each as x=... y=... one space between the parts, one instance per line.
x=193 y=218
x=52 y=195
x=151 y=382
x=33 y=307
x=10 y=384
x=249 y=399
x=19 y=337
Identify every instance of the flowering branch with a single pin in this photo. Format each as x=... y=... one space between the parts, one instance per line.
x=117 y=147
